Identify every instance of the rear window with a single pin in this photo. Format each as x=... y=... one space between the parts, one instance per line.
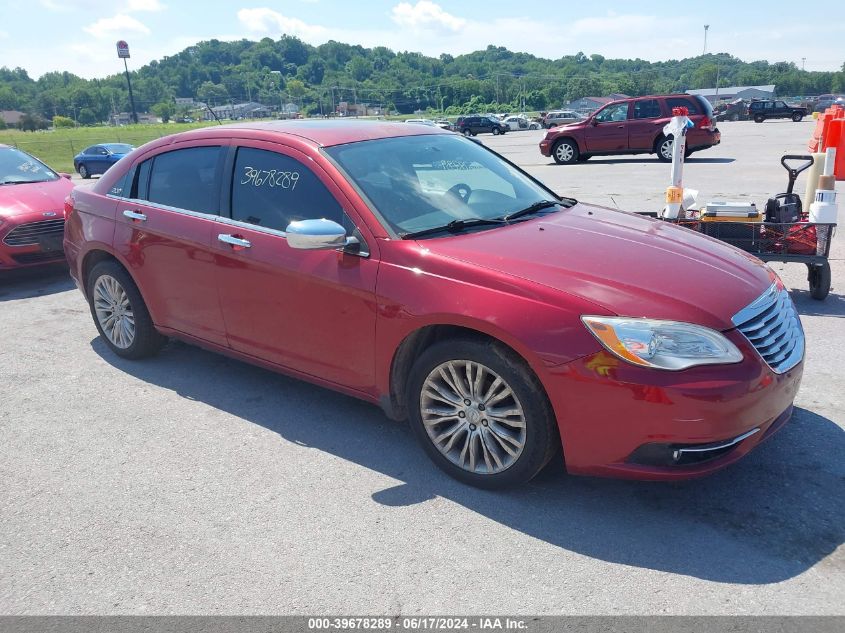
x=696 y=104
x=186 y=179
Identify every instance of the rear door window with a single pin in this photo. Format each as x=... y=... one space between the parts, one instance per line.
x=647 y=109
x=272 y=190
x=185 y=179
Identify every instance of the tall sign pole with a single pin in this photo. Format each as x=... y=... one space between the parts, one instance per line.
x=123 y=53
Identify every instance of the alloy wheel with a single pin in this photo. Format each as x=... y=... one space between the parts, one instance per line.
x=114 y=312
x=473 y=417
x=564 y=152
x=666 y=148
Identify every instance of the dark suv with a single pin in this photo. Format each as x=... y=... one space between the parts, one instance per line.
x=472 y=125
x=770 y=109
x=632 y=126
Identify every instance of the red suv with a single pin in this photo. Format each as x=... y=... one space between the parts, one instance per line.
x=413 y=268
x=632 y=126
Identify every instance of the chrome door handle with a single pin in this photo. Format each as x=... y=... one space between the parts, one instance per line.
x=134 y=215
x=234 y=241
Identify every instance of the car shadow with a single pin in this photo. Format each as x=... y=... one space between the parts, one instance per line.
x=768 y=518
x=630 y=160
x=833 y=305
x=37 y=281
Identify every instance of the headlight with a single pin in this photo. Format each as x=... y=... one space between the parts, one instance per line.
x=662 y=344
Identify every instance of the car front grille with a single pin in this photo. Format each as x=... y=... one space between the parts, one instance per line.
x=771 y=324
x=34 y=232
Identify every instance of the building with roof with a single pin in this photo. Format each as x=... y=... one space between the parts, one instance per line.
x=11 y=117
x=735 y=92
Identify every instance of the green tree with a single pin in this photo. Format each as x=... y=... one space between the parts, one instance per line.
x=164 y=110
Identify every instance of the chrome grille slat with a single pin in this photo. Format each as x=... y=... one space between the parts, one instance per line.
x=771 y=324
x=29 y=233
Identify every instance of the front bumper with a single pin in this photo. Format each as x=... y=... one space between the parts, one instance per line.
x=619 y=420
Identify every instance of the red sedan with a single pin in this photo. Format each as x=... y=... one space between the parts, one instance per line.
x=415 y=269
x=31 y=210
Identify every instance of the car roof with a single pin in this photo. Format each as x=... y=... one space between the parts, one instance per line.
x=321 y=132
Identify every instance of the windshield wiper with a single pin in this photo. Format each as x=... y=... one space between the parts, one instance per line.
x=454 y=226
x=537 y=206
x=21 y=182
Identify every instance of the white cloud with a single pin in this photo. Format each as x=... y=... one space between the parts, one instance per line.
x=116 y=26
x=426 y=15
x=270 y=22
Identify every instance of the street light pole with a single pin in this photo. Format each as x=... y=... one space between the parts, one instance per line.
x=706 y=28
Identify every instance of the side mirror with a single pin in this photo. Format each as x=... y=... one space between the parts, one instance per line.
x=316 y=234
x=594 y=121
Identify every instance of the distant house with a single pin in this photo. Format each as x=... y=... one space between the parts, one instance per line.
x=11 y=117
x=731 y=93
x=247 y=110
x=125 y=118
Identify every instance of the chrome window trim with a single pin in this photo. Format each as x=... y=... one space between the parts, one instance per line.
x=204 y=216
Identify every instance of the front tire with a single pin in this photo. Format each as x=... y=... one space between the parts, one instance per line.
x=504 y=436
x=797 y=117
x=120 y=314
x=565 y=152
x=496 y=131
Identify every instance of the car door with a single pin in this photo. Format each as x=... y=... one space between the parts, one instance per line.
x=313 y=311
x=608 y=131
x=96 y=159
x=781 y=110
x=645 y=124
x=163 y=231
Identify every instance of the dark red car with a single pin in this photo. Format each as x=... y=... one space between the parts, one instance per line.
x=632 y=126
x=31 y=210
x=416 y=269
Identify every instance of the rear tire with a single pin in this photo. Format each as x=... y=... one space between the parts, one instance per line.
x=496 y=131
x=565 y=152
x=470 y=442
x=663 y=148
x=466 y=132
x=120 y=314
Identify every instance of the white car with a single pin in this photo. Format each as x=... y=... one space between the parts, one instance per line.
x=421 y=121
x=516 y=122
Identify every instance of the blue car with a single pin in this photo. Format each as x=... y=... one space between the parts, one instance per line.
x=98 y=158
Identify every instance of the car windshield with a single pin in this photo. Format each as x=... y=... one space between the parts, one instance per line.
x=118 y=148
x=418 y=183
x=17 y=167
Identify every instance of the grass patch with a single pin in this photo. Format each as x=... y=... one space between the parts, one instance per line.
x=58 y=147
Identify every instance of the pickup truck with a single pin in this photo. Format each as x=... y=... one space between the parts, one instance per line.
x=770 y=109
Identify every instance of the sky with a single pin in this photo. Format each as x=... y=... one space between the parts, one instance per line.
x=79 y=35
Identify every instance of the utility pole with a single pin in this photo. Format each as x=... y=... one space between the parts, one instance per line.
x=706 y=28
x=803 y=59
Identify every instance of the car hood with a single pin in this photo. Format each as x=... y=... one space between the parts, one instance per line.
x=34 y=197
x=628 y=264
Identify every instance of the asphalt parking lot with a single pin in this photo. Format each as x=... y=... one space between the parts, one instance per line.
x=195 y=484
